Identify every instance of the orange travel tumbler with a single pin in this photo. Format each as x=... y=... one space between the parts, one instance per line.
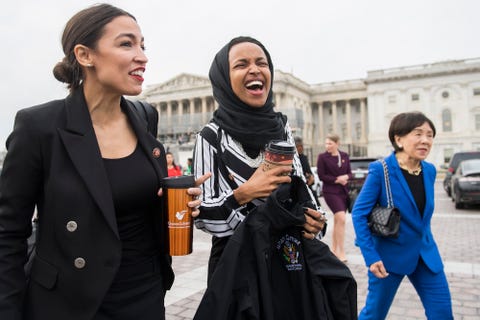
x=180 y=222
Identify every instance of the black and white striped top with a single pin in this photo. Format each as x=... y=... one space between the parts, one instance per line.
x=220 y=213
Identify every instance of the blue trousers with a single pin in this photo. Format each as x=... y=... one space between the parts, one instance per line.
x=432 y=289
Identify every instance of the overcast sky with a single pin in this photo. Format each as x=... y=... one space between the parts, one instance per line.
x=316 y=40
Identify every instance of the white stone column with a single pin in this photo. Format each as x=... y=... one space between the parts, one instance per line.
x=308 y=111
x=348 y=115
x=192 y=114
x=334 y=118
x=204 y=110
x=180 y=108
x=169 y=115
x=278 y=100
x=321 y=124
x=363 y=123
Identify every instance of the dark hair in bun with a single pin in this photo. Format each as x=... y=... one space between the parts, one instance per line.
x=85 y=28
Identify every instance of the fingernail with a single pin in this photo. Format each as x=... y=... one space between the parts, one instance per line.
x=305 y=209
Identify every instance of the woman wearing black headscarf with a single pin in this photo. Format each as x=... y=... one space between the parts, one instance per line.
x=232 y=145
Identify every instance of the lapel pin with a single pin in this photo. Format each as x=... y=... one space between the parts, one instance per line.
x=156 y=152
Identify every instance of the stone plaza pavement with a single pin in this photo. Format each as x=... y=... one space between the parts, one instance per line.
x=457 y=233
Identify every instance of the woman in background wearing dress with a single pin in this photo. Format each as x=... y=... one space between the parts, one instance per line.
x=333 y=168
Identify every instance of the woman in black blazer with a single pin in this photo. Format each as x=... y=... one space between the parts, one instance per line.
x=93 y=171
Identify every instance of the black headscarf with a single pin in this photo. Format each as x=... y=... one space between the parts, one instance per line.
x=253 y=127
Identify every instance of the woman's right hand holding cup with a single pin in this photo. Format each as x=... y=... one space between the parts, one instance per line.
x=262 y=183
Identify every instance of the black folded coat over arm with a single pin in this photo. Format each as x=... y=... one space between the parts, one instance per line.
x=268 y=271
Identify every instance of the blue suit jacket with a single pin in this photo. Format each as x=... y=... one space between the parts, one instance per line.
x=399 y=255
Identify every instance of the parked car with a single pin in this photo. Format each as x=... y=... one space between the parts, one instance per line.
x=453 y=165
x=465 y=183
x=359 y=168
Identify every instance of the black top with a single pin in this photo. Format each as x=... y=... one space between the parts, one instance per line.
x=415 y=183
x=134 y=190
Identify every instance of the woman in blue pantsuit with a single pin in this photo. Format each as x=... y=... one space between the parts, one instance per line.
x=414 y=253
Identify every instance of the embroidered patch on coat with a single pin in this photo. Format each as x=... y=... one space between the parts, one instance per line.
x=288 y=248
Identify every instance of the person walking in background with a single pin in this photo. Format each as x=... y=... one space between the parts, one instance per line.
x=307 y=171
x=188 y=168
x=414 y=253
x=241 y=76
x=333 y=168
x=90 y=166
x=173 y=169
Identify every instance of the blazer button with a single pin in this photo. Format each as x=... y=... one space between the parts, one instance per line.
x=79 y=263
x=71 y=226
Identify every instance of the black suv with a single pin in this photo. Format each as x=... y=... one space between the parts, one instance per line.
x=453 y=165
x=359 y=168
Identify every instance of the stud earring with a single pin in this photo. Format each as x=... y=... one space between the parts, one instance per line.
x=400 y=146
x=89 y=65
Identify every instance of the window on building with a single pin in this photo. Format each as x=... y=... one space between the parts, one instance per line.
x=344 y=132
x=358 y=131
x=477 y=122
x=476 y=91
x=415 y=97
x=446 y=120
x=445 y=94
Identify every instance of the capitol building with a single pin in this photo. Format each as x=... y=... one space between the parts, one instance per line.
x=358 y=110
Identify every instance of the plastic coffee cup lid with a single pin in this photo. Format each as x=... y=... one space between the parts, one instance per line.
x=281 y=147
x=178 y=182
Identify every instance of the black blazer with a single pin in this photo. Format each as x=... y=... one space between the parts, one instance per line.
x=54 y=163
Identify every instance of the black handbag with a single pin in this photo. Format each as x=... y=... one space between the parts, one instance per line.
x=385 y=221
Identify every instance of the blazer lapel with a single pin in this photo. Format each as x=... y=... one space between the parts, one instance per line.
x=429 y=182
x=82 y=147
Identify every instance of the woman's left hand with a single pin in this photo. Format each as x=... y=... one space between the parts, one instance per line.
x=315 y=222
x=195 y=192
